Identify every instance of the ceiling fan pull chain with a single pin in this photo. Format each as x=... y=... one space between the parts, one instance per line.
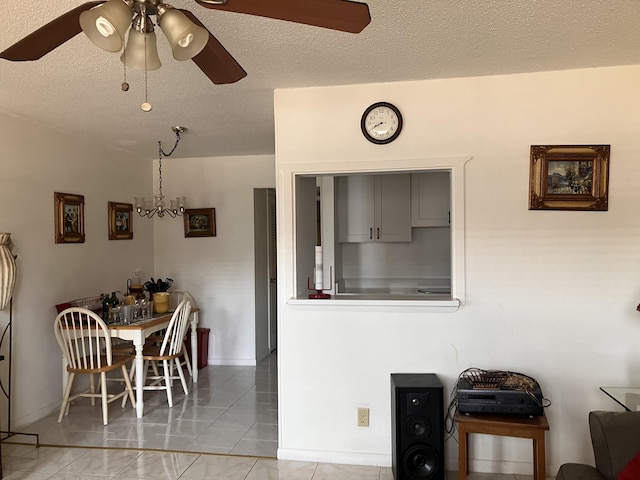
x=146 y=106
x=125 y=85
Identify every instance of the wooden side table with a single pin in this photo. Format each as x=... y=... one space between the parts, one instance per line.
x=523 y=427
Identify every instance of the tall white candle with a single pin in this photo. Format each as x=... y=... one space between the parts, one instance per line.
x=318 y=268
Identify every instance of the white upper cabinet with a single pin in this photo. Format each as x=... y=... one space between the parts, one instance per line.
x=374 y=208
x=430 y=199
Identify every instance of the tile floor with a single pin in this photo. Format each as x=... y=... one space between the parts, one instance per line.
x=231 y=410
x=225 y=429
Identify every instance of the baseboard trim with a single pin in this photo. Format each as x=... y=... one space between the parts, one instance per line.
x=348 y=458
x=237 y=362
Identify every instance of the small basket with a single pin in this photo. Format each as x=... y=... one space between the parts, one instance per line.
x=92 y=303
x=486 y=379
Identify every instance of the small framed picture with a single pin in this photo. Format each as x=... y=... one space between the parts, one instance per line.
x=68 y=218
x=200 y=222
x=569 y=177
x=120 y=221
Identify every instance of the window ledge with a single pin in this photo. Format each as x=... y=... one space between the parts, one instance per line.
x=433 y=303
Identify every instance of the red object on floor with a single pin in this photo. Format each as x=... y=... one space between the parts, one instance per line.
x=203 y=346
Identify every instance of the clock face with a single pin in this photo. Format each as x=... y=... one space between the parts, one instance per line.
x=381 y=123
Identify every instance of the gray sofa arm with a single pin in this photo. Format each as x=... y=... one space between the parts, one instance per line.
x=615 y=437
x=578 y=471
x=616 y=440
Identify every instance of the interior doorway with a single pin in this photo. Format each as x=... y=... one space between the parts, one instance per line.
x=266 y=275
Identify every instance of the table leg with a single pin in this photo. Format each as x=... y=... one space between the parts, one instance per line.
x=194 y=347
x=539 y=467
x=139 y=344
x=463 y=452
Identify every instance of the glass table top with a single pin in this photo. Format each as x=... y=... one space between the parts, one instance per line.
x=628 y=397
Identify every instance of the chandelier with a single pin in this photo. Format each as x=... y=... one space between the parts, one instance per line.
x=149 y=208
x=107 y=24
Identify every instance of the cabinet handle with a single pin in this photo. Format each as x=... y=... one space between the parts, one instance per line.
x=378 y=233
x=370 y=233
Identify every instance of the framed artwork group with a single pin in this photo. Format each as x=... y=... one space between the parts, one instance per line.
x=69 y=220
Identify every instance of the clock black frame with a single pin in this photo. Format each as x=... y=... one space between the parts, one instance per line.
x=368 y=111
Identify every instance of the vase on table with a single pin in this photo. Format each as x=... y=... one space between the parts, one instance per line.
x=7 y=270
x=161 y=302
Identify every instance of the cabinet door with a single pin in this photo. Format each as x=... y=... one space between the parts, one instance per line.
x=355 y=204
x=431 y=199
x=393 y=208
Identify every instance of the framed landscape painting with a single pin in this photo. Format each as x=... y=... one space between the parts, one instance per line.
x=569 y=177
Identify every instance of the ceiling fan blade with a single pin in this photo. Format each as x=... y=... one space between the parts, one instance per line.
x=37 y=44
x=343 y=15
x=214 y=60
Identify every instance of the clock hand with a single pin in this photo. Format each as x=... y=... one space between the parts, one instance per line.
x=377 y=125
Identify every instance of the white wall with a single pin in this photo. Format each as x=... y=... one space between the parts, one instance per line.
x=549 y=293
x=35 y=162
x=218 y=271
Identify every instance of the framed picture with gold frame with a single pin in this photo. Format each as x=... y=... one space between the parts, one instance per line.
x=200 y=222
x=68 y=218
x=120 y=221
x=569 y=177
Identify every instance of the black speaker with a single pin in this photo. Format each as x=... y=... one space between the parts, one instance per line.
x=417 y=426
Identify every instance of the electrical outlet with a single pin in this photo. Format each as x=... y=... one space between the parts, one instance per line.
x=363 y=417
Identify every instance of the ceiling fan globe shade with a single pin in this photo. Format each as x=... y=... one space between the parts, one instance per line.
x=106 y=24
x=134 y=53
x=185 y=37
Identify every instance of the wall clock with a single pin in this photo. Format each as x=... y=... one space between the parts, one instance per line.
x=381 y=123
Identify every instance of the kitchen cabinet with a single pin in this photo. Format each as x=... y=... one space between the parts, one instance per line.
x=430 y=199
x=373 y=208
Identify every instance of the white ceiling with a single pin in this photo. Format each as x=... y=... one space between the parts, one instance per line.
x=76 y=88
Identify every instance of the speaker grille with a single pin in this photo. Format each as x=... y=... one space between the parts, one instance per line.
x=418 y=427
x=420 y=462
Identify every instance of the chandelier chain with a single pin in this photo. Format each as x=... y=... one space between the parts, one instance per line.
x=162 y=153
x=177 y=207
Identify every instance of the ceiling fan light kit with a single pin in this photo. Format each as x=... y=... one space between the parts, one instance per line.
x=107 y=24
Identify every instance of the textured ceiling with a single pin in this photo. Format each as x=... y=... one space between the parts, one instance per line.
x=76 y=88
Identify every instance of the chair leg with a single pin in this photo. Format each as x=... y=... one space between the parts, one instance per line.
x=129 y=388
x=105 y=400
x=131 y=375
x=182 y=379
x=186 y=358
x=167 y=382
x=64 y=408
x=92 y=389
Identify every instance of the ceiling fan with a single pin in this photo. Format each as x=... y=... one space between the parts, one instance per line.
x=106 y=22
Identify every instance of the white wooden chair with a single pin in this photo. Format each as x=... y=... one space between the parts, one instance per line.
x=174 y=300
x=85 y=342
x=168 y=352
